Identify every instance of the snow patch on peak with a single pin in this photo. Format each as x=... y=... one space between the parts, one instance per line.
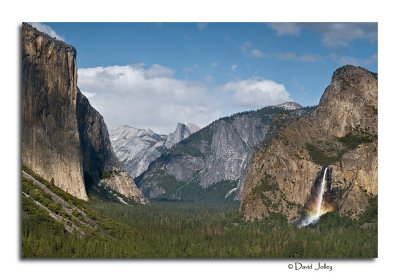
x=136 y=147
x=289 y=106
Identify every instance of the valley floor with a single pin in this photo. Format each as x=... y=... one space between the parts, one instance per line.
x=181 y=230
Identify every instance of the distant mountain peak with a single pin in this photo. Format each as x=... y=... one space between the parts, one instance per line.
x=289 y=105
x=136 y=147
x=193 y=127
x=182 y=131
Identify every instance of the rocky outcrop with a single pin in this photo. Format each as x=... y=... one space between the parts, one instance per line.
x=340 y=133
x=349 y=103
x=50 y=138
x=96 y=150
x=211 y=162
x=122 y=182
x=136 y=148
x=182 y=131
x=63 y=137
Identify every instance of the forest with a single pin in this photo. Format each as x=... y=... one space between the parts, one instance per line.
x=188 y=230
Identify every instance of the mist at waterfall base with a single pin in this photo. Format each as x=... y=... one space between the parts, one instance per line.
x=320 y=201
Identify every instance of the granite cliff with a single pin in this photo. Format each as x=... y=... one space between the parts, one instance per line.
x=136 y=148
x=212 y=163
x=340 y=133
x=182 y=131
x=63 y=137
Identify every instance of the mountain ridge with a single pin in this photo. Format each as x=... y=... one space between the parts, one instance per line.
x=216 y=156
x=136 y=147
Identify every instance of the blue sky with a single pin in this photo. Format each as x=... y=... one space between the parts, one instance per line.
x=153 y=75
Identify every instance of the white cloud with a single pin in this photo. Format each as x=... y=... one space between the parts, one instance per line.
x=146 y=98
x=158 y=71
x=214 y=64
x=201 y=25
x=256 y=93
x=333 y=34
x=281 y=56
x=344 y=60
x=341 y=34
x=286 y=28
x=285 y=56
x=309 y=57
x=234 y=67
x=47 y=29
x=257 y=53
x=245 y=47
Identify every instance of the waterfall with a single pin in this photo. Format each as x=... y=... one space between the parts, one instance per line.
x=322 y=190
x=314 y=214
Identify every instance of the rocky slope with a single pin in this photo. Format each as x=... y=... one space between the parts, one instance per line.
x=136 y=148
x=211 y=163
x=341 y=133
x=63 y=137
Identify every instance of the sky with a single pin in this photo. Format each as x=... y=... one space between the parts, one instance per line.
x=154 y=75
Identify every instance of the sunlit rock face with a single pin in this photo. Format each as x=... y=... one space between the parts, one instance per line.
x=341 y=133
x=63 y=137
x=50 y=136
x=137 y=148
x=182 y=131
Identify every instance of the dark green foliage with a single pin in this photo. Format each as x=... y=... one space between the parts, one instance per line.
x=332 y=220
x=371 y=214
x=266 y=185
x=193 y=192
x=36 y=213
x=100 y=193
x=41 y=196
x=329 y=152
x=295 y=249
x=105 y=175
x=177 y=229
x=275 y=216
x=116 y=172
x=76 y=213
x=352 y=141
x=321 y=156
x=57 y=208
x=105 y=194
x=190 y=230
x=66 y=196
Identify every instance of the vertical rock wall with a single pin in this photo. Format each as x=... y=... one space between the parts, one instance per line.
x=63 y=137
x=50 y=137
